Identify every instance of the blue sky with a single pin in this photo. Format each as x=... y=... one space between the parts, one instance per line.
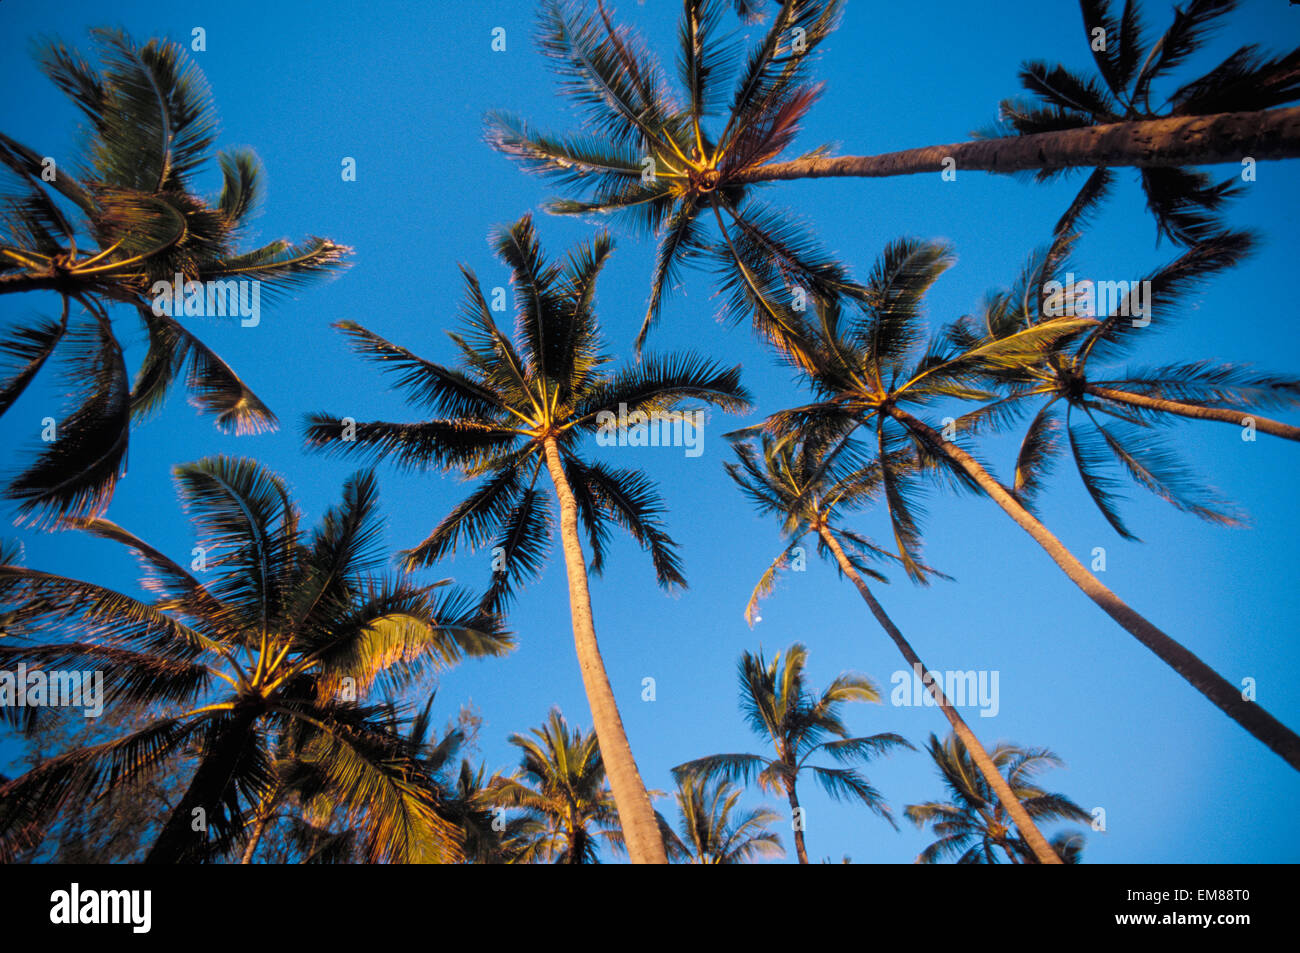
x=403 y=87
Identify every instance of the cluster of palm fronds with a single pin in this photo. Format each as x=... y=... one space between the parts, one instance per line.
x=272 y=685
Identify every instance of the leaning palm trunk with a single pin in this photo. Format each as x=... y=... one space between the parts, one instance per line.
x=1185 y=140
x=1204 y=679
x=1010 y=803
x=636 y=814
x=186 y=828
x=1223 y=414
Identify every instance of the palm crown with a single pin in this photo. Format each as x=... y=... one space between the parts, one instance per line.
x=497 y=413
x=103 y=232
x=712 y=828
x=1184 y=202
x=972 y=822
x=283 y=640
x=652 y=161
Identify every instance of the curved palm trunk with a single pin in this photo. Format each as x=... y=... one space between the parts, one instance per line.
x=1185 y=140
x=798 y=830
x=635 y=813
x=993 y=777
x=1200 y=676
x=178 y=840
x=265 y=811
x=1223 y=414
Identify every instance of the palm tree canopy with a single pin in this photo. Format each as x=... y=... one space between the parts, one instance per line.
x=562 y=791
x=494 y=415
x=664 y=162
x=1130 y=65
x=103 y=230
x=800 y=723
x=712 y=828
x=281 y=640
x=972 y=821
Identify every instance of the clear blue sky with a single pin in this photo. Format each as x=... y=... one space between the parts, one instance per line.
x=403 y=87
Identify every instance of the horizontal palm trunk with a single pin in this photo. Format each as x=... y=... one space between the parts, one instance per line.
x=1222 y=414
x=1200 y=676
x=635 y=813
x=1042 y=850
x=178 y=842
x=1185 y=140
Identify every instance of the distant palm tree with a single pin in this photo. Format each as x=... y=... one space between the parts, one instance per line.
x=1184 y=202
x=809 y=486
x=562 y=790
x=511 y=414
x=1059 y=380
x=799 y=723
x=103 y=232
x=972 y=822
x=873 y=368
x=712 y=829
x=294 y=627
x=651 y=158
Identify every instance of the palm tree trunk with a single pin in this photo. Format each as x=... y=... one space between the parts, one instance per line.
x=265 y=811
x=1200 y=676
x=1226 y=415
x=1010 y=803
x=178 y=840
x=635 y=813
x=795 y=813
x=1184 y=140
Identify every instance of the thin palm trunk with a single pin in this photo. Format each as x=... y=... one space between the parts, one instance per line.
x=265 y=812
x=993 y=777
x=1200 y=676
x=797 y=817
x=179 y=839
x=1223 y=414
x=1184 y=140
x=636 y=814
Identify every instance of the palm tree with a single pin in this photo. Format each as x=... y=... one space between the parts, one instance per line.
x=972 y=823
x=562 y=790
x=1184 y=202
x=1060 y=377
x=651 y=159
x=866 y=370
x=282 y=640
x=511 y=412
x=712 y=829
x=104 y=232
x=808 y=486
x=799 y=723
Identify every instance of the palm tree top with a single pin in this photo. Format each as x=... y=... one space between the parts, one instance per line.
x=498 y=412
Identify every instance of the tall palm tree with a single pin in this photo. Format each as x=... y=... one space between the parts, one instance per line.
x=562 y=790
x=972 y=823
x=284 y=635
x=809 y=485
x=867 y=369
x=1061 y=382
x=512 y=412
x=650 y=157
x=103 y=231
x=712 y=829
x=799 y=723
x=1183 y=201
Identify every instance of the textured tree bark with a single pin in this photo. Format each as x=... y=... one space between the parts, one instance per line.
x=1222 y=414
x=1010 y=803
x=1200 y=676
x=797 y=817
x=1186 y=140
x=178 y=841
x=635 y=813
